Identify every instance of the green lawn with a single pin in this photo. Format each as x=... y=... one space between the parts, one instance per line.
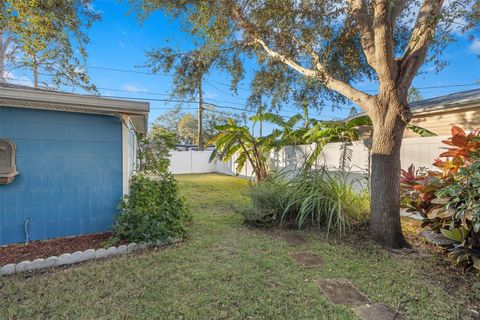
x=226 y=270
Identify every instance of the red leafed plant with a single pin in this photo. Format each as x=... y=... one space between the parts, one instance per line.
x=449 y=199
x=419 y=186
x=464 y=149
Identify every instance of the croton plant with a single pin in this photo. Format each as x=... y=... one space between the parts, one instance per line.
x=449 y=198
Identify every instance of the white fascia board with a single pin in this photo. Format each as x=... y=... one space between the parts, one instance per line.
x=77 y=103
x=71 y=99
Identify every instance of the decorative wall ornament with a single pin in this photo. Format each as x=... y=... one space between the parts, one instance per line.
x=8 y=168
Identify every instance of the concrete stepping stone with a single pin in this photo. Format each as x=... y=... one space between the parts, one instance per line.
x=437 y=239
x=342 y=291
x=293 y=239
x=307 y=259
x=377 y=311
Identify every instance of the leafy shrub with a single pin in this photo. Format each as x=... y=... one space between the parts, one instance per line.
x=449 y=199
x=315 y=197
x=154 y=150
x=153 y=210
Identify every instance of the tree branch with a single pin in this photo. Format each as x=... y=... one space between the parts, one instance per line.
x=383 y=31
x=320 y=72
x=291 y=63
x=365 y=28
x=397 y=9
x=420 y=39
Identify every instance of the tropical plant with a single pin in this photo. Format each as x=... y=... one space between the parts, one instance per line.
x=235 y=140
x=153 y=210
x=448 y=199
x=353 y=129
x=287 y=132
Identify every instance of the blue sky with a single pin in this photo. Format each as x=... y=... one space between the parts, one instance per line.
x=119 y=42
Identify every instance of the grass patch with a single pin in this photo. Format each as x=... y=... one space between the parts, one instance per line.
x=226 y=270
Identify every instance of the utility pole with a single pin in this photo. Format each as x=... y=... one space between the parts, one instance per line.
x=35 y=71
x=200 y=115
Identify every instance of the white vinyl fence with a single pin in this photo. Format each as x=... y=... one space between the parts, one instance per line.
x=419 y=151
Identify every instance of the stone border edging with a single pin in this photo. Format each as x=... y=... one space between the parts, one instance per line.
x=80 y=256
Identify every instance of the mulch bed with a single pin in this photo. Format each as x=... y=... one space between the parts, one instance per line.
x=16 y=253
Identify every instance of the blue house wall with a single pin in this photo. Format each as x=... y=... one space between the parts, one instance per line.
x=70 y=173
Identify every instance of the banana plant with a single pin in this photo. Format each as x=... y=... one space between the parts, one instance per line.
x=324 y=132
x=233 y=139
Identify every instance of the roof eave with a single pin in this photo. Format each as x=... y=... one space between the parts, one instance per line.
x=70 y=101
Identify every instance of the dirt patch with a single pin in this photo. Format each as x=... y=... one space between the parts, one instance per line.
x=307 y=259
x=16 y=253
x=293 y=239
x=378 y=311
x=342 y=291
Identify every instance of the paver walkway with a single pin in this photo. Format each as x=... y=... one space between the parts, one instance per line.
x=341 y=291
x=307 y=259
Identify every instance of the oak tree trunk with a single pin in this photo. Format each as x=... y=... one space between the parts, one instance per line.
x=388 y=128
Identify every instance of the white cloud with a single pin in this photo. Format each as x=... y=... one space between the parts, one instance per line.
x=92 y=9
x=134 y=87
x=475 y=46
x=12 y=78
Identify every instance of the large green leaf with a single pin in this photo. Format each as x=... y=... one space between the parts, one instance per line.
x=269 y=117
x=359 y=121
x=420 y=131
x=455 y=234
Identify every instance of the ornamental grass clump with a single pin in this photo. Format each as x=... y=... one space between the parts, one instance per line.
x=268 y=200
x=327 y=200
x=313 y=197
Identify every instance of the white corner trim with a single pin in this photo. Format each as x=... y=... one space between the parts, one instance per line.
x=125 y=149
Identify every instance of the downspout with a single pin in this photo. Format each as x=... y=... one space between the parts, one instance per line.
x=26 y=228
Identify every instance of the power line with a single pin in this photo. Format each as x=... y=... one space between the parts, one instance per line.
x=227 y=85
x=172 y=100
x=131 y=71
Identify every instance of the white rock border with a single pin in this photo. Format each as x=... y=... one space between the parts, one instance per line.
x=81 y=256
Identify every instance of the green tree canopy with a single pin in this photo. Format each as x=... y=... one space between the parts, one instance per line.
x=184 y=125
x=47 y=36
